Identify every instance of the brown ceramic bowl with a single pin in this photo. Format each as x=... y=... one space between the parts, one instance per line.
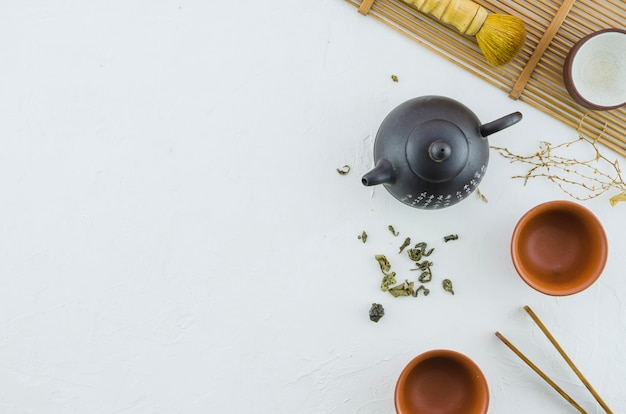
x=559 y=248
x=594 y=71
x=441 y=382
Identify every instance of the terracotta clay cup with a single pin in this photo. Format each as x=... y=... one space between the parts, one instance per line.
x=559 y=248
x=441 y=382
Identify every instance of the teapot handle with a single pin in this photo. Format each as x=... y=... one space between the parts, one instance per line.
x=499 y=124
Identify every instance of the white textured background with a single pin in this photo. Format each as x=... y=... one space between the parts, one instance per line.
x=174 y=237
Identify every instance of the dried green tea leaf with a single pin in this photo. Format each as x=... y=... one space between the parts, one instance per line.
x=399 y=290
x=388 y=280
x=447 y=285
x=392 y=230
x=404 y=245
x=362 y=236
x=410 y=287
x=427 y=253
x=426 y=276
x=385 y=266
x=343 y=170
x=423 y=265
x=423 y=289
x=451 y=237
x=394 y=78
x=376 y=312
x=418 y=251
x=415 y=254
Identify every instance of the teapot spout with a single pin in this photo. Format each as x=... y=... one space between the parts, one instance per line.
x=383 y=173
x=500 y=124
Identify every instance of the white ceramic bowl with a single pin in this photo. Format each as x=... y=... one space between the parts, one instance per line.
x=594 y=71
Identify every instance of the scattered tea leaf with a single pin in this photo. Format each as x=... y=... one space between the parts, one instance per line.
x=415 y=254
x=451 y=237
x=385 y=266
x=423 y=289
x=447 y=285
x=418 y=251
x=422 y=245
x=400 y=290
x=362 y=236
x=410 y=287
x=388 y=280
x=404 y=245
x=426 y=276
x=418 y=254
x=394 y=78
x=423 y=265
x=392 y=230
x=343 y=170
x=376 y=312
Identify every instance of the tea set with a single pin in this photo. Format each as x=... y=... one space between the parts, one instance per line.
x=432 y=152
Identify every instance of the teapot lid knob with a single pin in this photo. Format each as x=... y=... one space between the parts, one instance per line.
x=437 y=150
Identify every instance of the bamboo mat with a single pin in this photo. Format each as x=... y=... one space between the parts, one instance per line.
x=535 y=75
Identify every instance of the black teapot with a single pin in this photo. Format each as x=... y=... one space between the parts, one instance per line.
x=432 y=152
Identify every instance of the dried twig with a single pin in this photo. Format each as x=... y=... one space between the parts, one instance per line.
x=580 y=179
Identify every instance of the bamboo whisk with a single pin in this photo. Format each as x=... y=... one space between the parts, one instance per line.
x=499 y=36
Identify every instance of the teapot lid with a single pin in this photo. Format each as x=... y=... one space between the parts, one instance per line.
x=437 y=150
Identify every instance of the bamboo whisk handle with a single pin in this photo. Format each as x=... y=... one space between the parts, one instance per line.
x=465 y=15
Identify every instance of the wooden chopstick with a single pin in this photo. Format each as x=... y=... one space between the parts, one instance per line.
x=540 y=372
x=567 y=359
x=564 y=355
